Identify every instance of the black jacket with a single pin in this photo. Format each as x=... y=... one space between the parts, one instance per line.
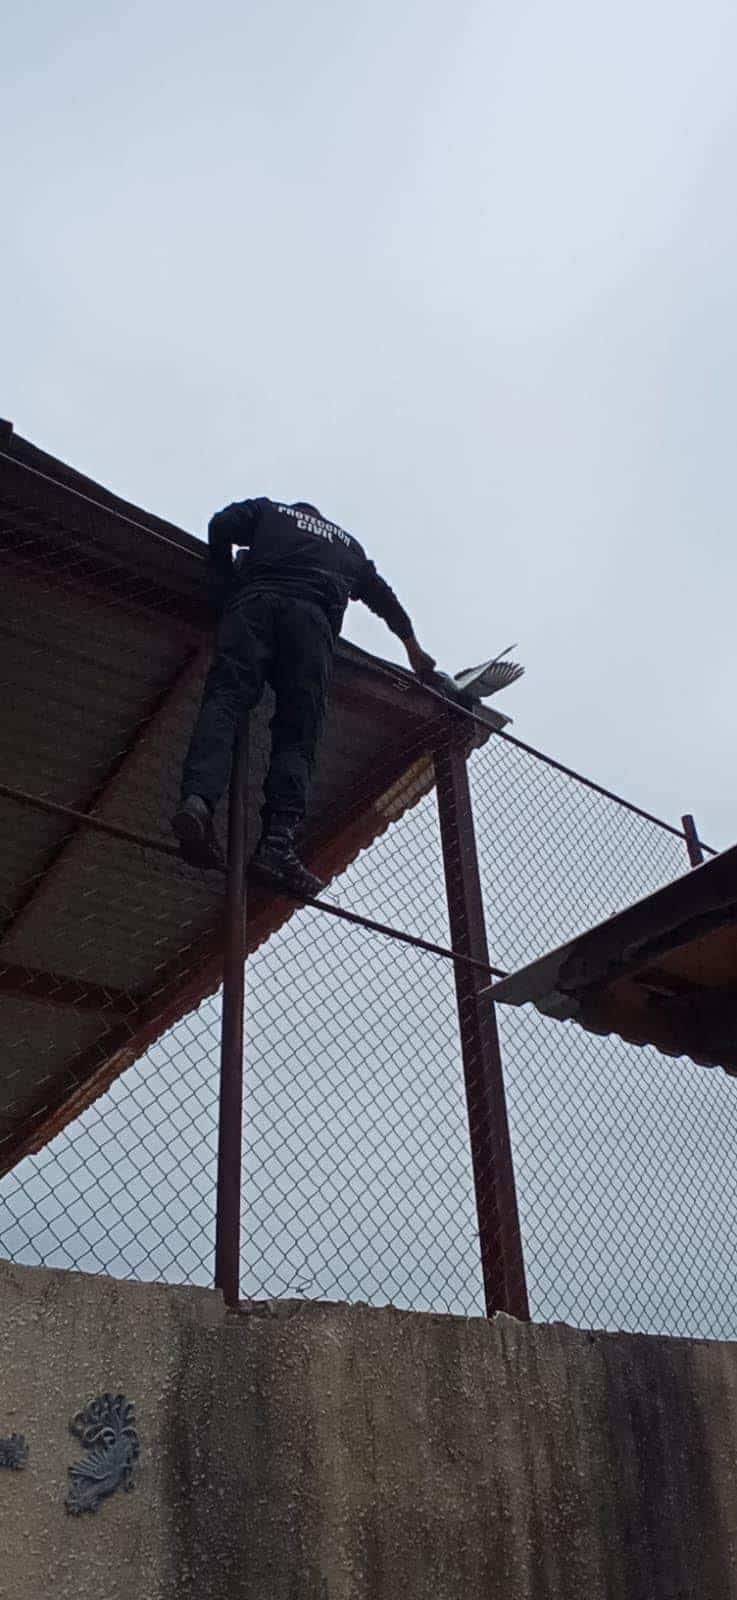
x=296 y=552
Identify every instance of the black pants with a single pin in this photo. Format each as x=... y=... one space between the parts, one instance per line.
x=264 y=638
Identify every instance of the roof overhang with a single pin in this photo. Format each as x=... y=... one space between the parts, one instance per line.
x=663 y=972
x=105 y=640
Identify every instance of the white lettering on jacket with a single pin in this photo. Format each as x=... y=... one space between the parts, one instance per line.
x=316 y=525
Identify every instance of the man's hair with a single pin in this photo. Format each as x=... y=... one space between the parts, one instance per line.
x=304 y=505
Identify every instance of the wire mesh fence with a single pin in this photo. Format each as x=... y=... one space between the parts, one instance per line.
x=357 y=1171
x=624 y=1163
x=128 y=1187
x=357 y=1176
x=357 y=1167
x=623 y=1157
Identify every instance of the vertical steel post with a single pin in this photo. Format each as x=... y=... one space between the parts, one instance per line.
x=500 y=1240
x=693 y=842
x=228 y=1213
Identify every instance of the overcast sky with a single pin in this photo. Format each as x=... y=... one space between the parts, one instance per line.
x=464 y=275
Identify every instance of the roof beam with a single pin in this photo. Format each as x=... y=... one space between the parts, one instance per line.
x=24 y=983
x=105 y=791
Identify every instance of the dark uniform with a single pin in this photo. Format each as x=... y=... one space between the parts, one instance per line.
x=282 y=603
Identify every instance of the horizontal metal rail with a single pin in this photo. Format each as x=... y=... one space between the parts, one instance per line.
x=89 y=820
x=404 y=938
x=99 y=505
x=548 y=761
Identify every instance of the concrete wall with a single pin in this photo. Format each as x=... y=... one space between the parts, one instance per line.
x=327 y=1452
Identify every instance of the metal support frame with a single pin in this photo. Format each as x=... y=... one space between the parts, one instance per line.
x=502 y=1260
x=693 y=842
x=230 y=1127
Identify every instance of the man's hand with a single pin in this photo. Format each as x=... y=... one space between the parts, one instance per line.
x=419 y=660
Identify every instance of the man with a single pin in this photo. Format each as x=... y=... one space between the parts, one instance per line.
x=282 y=604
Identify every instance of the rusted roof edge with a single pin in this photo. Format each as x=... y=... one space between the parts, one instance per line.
x=697 y=903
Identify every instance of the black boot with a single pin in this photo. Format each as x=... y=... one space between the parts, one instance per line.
x=276 y=858
x=195 y=830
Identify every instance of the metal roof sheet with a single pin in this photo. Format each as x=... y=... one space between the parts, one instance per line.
x=104 y=644
x=662 y=972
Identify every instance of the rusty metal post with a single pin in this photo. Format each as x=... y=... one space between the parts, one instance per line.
x=230 y=1130
x=693 y=842
x=502 y=1260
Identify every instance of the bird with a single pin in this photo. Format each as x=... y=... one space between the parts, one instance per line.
x=490 y=676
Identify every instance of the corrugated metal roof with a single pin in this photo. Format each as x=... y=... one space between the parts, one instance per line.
x=663 y=972
x=103 y=650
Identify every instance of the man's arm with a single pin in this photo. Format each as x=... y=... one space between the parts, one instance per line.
x=233 y=525
x=380 y=598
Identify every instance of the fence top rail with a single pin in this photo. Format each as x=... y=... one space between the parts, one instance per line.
x=177 y=539
x=481 y=719
x=186 y=545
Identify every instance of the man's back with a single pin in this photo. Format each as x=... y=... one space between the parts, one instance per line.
x=297 y=552
x=294 y=550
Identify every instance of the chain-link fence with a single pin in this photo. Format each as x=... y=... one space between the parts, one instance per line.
x=623 y=1157
x=357 y=1172
x=357 y=1177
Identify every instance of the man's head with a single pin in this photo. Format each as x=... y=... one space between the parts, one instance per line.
x=304 y=505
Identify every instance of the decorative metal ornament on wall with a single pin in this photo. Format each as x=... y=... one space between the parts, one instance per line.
x=14 y=1452
x=106 y=1427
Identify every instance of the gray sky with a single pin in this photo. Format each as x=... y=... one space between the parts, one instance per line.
x=463 y=275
